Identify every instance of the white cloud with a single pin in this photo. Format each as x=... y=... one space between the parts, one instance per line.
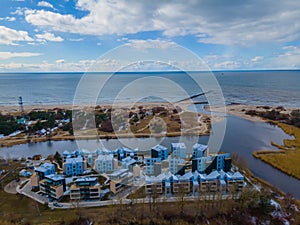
x=45 y=66
x=60 y=61
x=243 y=23
x=289 y=59
x=8 y=18
x=227 y=65
x=48 y=37
x=8 y=55
x=146 y=44
x=10 y=36
x=257 y=59
x=45 y=4
x=19 y=11
x=76 y=39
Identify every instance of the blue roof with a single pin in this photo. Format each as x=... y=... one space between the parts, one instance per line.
x=86 y=179
x=186 y=177
x=128 y=160
x=124 y=149
x=159 y=148
x=213 y=175
x=78 y=159
x=178 y=145
x=235 y=176
x=55 y=177
x=200 y=147
x=44 y=167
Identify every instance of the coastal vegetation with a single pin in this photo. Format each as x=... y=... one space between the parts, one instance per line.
x=279 y=114
x=287 y=158
x=8 y=124
x=101 y=122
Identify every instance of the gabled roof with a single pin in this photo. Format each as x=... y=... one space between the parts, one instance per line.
x=178 y=145
x=128 y=160
x=159 y=148
x=104 y=157
x=186 y=176
x=213 y=175
x=200 y=147
x=237 y=175
x=78 y=159
x=104 y=151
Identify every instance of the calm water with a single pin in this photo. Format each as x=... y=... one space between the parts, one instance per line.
x=251 y=136
x=259 y=87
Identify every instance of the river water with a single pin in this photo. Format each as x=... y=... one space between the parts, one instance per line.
x=241 y=136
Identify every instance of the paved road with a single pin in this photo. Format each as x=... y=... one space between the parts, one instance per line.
x=26 y=190
x=138 y=201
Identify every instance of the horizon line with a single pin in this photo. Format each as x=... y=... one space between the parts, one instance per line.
x=154 y=71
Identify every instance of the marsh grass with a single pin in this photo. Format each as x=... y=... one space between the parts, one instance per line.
x=287 y=159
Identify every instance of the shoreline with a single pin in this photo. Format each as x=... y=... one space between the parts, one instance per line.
x=232 y=109
x=93 y=137
x=4 y=109
x=287 y=157
x=185 y=116
x=240 y=109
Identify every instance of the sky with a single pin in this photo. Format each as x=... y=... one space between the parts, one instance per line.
x=71 y=35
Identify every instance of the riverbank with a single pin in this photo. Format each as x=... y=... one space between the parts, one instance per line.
x=122 y=120
x=241 y=110
x=287 y=159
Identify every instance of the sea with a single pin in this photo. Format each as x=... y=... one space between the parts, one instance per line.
x=263 y=87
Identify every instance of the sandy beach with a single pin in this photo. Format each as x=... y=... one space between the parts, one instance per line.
x=14 y=109
x=239 y=110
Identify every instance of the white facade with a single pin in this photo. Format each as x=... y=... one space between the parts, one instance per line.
x=174 y=165
x=104 y=163
x=178 y=150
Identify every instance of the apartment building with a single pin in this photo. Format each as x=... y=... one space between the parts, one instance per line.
x=120 y=179
x=87 y=188
x=74 y=166
x=53 y=185
x=104 y=163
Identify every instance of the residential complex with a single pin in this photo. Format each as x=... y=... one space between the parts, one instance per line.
x=160 y=152
x=161 y=173
x=177 y=166
x=44 y=170
x=120 y=179
x=85 y=188
x=104 y=163
x=74 y=166
x=53 y=185
x=151 y=164
x=195 y=183
x=178 y=150
x=199 y=151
